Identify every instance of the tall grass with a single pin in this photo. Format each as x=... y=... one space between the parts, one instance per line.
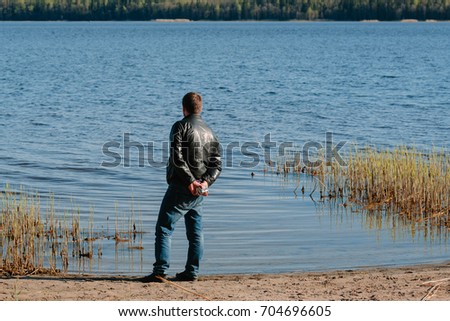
x=406 y=181
x=34 y=241
x=31 y=242
x=403 y=181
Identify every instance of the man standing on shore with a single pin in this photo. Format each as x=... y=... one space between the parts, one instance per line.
x=194 y=165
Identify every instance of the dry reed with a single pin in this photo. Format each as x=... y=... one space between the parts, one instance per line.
x=26 y=237
x=405 y=181
x=34 y=241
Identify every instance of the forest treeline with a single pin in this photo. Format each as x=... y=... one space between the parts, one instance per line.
x=353 y=10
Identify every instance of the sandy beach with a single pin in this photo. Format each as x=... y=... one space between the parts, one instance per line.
x=422 y=282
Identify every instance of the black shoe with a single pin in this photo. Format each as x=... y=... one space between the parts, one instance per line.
x=185 y=277
x=154 y=277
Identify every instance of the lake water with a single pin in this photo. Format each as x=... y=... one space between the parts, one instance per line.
x=67 y=89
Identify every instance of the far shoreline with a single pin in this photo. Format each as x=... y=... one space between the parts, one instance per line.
x=183 y=21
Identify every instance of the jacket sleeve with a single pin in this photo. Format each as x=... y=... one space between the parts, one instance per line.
x=214 y=164
x=179 y=163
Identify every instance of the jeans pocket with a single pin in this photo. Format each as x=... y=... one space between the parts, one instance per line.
x=188 y=201
x=184 y=199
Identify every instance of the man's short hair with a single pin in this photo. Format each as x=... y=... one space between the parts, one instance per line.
x=192 y=102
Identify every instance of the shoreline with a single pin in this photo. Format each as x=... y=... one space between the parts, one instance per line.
x=181 y=21
x=427 y=282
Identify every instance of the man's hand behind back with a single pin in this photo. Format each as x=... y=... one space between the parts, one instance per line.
x=195 y=186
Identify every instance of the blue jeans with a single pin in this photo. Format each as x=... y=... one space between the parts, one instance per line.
x=178 y=202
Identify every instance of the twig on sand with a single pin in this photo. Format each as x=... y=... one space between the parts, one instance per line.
x=431 y=291
x=434 y=288
x=184 y=289
x=437 y=281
